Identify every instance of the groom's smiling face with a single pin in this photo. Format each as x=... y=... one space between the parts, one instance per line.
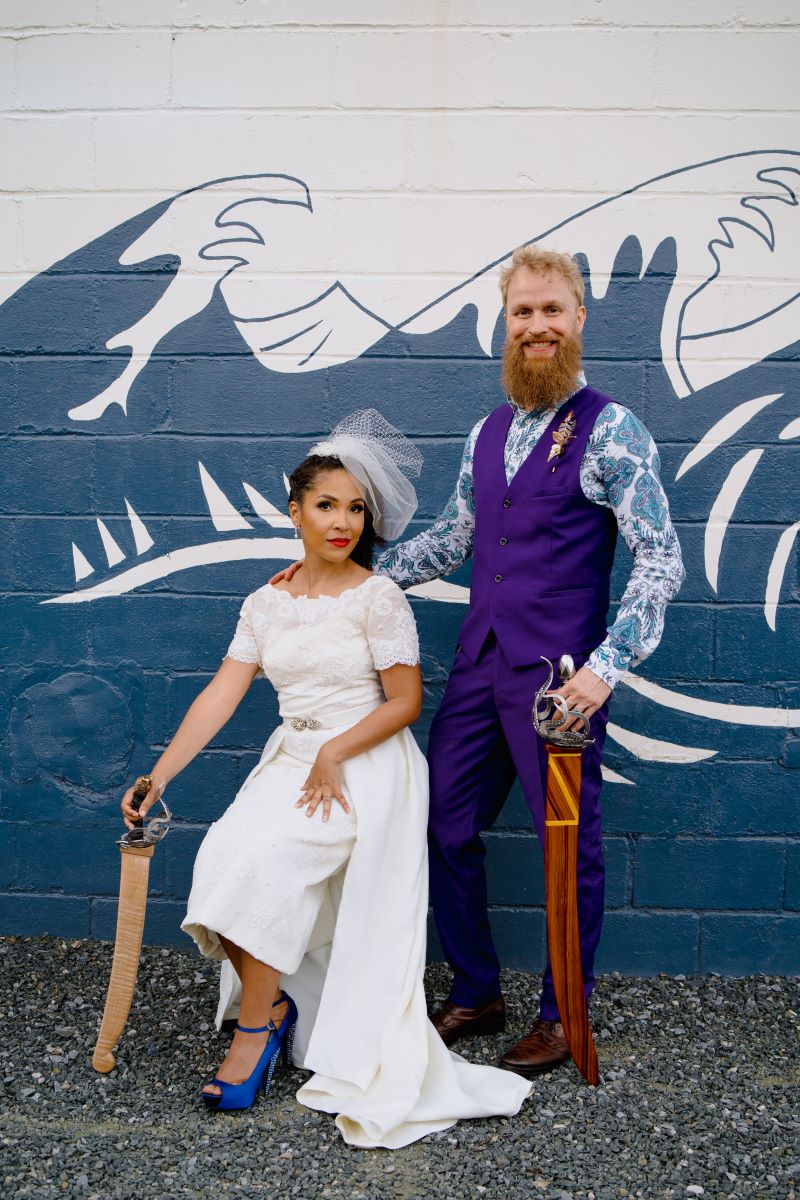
x=542 y=355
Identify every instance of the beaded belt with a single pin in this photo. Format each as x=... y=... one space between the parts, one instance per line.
x=299 y=724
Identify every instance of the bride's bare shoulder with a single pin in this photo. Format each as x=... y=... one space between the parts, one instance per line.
x=299 y=583
x=295 y=585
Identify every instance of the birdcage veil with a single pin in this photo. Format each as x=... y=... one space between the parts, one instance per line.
x=381 y=458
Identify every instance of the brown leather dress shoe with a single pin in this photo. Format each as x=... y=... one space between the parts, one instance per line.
x=539 y=1051
x=453 y=1021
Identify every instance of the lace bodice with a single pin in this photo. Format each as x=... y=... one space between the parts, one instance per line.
x=323 y=655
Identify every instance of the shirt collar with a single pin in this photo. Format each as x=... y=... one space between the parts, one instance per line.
x=527 y=412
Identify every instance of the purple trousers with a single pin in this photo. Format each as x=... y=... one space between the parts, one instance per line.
x=481 y=740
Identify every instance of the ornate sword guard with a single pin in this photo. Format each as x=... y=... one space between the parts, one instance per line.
x=156 y=828
x=549 y=713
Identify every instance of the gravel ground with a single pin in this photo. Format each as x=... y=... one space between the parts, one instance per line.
x=698 y=1097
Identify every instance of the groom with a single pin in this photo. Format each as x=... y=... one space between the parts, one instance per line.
x=546 y=482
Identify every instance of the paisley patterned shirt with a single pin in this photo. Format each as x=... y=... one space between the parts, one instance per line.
x=620 y=470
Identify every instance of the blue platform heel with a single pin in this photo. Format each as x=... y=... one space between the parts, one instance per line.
x=279 y=1043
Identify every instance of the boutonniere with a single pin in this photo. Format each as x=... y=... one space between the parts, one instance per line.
x=561 y=437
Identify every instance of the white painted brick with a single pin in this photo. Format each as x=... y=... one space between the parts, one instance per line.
x=9 y=234
x=600 y=153
x=309 y=13
x=346 y=151
x=434 y=237
x=733 y=71
x=8 y=52
x=47 y=14
x=633 y=13
x=453 y=68
x=583 y=69
x=55 y=226
x=768 y=12
x=45 y=152
x=252 y=68
x=94 y=70
x=170 y=151
x=541 y=14
x=223 y=14
x=580 y=69
x=217 y=14
x=597 y=153
x=531 y=14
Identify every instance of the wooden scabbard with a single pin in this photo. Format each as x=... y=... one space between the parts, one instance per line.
x=134 y=872
x=562 y=809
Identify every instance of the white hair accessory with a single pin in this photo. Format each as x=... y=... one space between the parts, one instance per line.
x=381 y=458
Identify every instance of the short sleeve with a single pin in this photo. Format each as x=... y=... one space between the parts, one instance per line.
x=391 y=629
x=244 y=648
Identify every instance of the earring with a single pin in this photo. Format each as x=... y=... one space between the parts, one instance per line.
x=297 y=531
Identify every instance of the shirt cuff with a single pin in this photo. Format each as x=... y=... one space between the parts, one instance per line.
x=600 y=664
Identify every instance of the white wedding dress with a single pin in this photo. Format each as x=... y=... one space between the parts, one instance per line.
x=339 y=907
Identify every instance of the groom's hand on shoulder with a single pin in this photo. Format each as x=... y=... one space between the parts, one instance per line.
x=287 y=573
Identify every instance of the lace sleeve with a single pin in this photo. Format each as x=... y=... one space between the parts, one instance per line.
x=391 y=629
x=244 y=648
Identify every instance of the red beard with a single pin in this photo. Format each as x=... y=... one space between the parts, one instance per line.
x=542 y=383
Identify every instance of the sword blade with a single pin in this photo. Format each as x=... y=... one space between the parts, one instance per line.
x=134 y=874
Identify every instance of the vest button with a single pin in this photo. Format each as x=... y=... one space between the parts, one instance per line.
x=506 y=504
x=503 y=541
x=498 y=578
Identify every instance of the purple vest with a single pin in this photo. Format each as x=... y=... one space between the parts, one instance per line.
x=542 y=552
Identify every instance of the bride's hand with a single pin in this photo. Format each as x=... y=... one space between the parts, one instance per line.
x=323 y=785
x=130 y=814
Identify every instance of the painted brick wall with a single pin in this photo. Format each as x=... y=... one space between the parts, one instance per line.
x=398 y=149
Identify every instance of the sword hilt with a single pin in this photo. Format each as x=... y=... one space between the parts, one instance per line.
x=566 y=667
x=140 y=789
x=549 y=713
x=157 y=827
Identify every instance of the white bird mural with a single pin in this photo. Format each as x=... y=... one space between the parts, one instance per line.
x=311 y=284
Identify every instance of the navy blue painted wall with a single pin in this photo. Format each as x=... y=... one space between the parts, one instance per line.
x=703 y=859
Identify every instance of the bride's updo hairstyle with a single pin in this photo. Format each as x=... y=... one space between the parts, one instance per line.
x=303 y=478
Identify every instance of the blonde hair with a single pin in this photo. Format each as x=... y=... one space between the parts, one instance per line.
x=535 y=258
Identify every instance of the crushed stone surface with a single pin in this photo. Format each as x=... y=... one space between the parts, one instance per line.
x=700 y=1097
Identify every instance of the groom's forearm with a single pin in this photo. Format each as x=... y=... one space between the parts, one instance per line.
x=435 y=552
x=444 y=547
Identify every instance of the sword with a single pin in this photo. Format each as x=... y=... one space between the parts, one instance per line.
x=136 y=849
x=562 y=808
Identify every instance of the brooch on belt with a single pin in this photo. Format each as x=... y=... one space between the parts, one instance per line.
x=564 y=434
x=301 y=724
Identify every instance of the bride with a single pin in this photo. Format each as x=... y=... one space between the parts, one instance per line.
x=312 y=886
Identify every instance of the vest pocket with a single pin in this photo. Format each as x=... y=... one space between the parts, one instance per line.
x=552 y=493
x=570 y=591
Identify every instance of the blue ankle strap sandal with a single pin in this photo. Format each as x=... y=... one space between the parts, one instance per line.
x=280 y=1042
